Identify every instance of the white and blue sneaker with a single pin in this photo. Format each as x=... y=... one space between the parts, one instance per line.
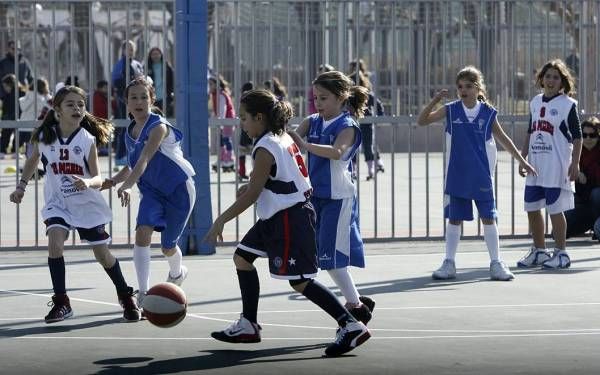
x=534 y=258
x=560 y=259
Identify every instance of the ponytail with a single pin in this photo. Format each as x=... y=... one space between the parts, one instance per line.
x=357 y=101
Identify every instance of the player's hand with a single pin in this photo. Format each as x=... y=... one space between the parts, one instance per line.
x=125 y=195
x=215 y=233
x=107 y=184
x=17 y=196
x=443 y=93
x=241 y=190
x=582 y=179
x=80 y=183
x=573 y=171
x=525 y=168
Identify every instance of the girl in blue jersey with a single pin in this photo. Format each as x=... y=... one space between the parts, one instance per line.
x=553 y=146
x=285 y=230
x=333 y=138
x=65 y=142
x=471 y=126
x=164 y=179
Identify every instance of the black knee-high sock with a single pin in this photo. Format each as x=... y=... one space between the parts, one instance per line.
x=250 y=288
x=57 y=274
x=322 y=297
x=117 y=278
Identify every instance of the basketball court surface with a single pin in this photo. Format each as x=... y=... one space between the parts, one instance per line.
x=543 y=322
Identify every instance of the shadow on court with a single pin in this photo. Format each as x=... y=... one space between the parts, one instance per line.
x=214 y=359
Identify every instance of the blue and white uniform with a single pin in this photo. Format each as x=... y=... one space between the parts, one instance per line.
x=66 y=207
x=334 y=195
x=553 y=126
x=166 y=186
x=285 y=231
x=471 y=161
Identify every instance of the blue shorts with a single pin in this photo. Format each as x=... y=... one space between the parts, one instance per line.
x=167 y=214
x=339 y=243
x=93 y=236
x=555 y=200
x=288 y=239
x=456 y=208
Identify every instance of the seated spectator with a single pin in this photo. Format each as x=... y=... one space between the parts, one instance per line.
x=586 y=214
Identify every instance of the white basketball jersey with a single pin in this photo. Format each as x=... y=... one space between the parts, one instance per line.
x=550 y=142
x=289 y=184
x=63 y=159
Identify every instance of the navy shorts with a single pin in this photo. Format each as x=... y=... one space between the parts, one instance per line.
x=94 y=236
x=288 y=240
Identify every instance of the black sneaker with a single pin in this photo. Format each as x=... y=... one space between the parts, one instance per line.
x=348 y=338
x=61 y=309
x=361 y=313
x=131 y=311
x=367 y=301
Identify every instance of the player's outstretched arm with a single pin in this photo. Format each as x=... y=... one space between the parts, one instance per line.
x=428 y=115
x=509 y=146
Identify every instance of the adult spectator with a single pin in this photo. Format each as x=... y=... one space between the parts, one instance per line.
x=7 y=65
x=587 y=186
x=156 y=65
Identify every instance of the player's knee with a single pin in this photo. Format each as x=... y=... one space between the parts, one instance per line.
x=169 y=252
x=300 y=284
x=244 y=260
x=488 y=221
x=55 y=249
x=103 y=256
x=455 y=222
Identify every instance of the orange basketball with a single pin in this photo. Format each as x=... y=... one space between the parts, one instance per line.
x=165 y=305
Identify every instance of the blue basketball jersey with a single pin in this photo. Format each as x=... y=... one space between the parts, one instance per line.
x=471 y=152
x=167 y=168
x=332 y=178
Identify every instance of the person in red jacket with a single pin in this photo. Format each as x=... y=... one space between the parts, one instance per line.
x=100 y=108
x=587 y=185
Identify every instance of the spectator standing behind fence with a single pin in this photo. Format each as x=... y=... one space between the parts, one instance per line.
x=586 y=214
x=120 y=81
x=100 y=108
x=7 y=65
x=245 y=141
x=311 y=99
x=10 y=111
x=332 y=139
x=156 y=64
x=553 y=147
x=32 y=101
x=471 y=126
x=276 y=87
x=222 y=107
x=374 y=108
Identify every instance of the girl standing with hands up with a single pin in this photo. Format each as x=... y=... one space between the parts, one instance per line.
x=164 y=178
x=471 y=126
x=66 y=144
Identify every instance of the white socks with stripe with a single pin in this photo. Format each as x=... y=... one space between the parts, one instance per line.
x=141 y=260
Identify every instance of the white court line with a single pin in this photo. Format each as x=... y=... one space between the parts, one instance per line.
x=108 y=338
x=50 y=296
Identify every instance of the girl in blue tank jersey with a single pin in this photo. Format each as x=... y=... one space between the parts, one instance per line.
x=332 y=139
x=471 y=126
x=164 y=179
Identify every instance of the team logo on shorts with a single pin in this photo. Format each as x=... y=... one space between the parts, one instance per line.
x=52 y=148
x=277 y=262
x=554 y=112
x=77 y=150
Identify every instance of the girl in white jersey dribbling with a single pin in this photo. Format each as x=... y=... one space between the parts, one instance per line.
x=553 y=147
x=66 y=144
x=471 y=126
x=164 y=178
x=285 y=231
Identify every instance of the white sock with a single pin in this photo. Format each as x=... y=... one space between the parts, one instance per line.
x=341 y=277
x=490 y=235
x=175 y=263
x=452 y=240
x=141 y=261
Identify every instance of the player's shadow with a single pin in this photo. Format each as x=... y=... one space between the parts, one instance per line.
x=60 y=327
x=214 y=359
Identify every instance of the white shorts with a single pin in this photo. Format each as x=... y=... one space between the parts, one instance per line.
x=555 y=200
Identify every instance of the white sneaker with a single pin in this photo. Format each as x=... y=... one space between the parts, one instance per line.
x=500 y=271
x=242 y=331
x=179 y=279
x=535 y=257
x=446 y=271
x=348 y=338
x=560 y=259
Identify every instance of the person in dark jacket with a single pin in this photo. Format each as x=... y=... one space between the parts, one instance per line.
x=161 y=72
x=7 y=66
